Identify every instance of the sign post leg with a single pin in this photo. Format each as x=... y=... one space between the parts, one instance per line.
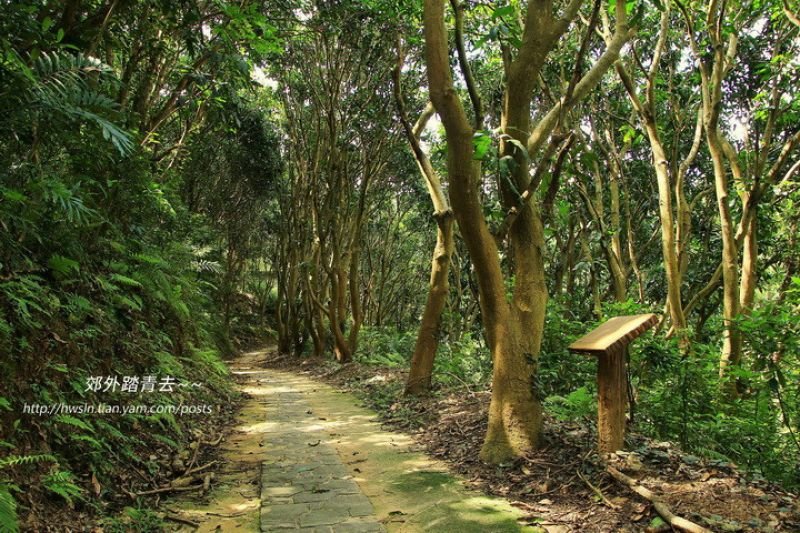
x=612 y=400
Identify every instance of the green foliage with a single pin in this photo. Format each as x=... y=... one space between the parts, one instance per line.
x=61 y=482
x=578 y=404
x=65 y=83
x=99 y=270
x=17 y=460
x=8 y=505
x=385 y=347
x=8 y=510
x=463 y=361
x=681 y=398
x=134 y=520
x=481 y=142
x=560 y=371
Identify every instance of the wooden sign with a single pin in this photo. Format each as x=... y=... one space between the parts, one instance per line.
x=617 y=331
x=609 y=342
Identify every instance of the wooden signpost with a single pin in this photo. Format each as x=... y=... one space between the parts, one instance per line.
x=609 y=343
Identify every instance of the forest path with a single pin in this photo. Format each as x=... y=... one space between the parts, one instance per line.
x=326 y=465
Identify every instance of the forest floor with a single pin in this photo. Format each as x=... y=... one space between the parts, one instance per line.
x=564 y=487
x=303 y=455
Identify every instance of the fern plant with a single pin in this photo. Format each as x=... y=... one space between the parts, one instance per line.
x=8 y=510
x=18 y=460
x=61 y=482
x=67 y=84
x=8 y=506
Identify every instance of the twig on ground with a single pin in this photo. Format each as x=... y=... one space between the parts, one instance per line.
x=463 y=383
x=596 y=490
x=227 y=515
x=169 y=489
x=214 y=442
x=197 y=445
x=199 y=468
x=176 y=518
x=660 y=507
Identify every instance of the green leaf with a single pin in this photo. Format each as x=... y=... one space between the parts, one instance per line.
x=86 y=438
x=505 y=11
x=16 y=460
x=481 y=142
x=125 y=280
x=13 y=196
x=72 y=421
x=61 y=483
x=521 y=148
x=8 y=510
x=59 y=367
x=62 y=265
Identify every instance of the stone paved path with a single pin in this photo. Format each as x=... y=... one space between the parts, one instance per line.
x=330 y=467
x=304 y=484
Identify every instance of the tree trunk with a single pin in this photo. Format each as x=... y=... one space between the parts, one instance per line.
x=421 y=370
x=514 y=414
x=712 y=102
x=731 y=337
x=419 y=375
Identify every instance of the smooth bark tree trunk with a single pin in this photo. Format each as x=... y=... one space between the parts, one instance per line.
x=427 y=343
x=514 y=415
x=421 y=370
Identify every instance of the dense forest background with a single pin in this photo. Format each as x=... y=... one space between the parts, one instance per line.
x=461 y=189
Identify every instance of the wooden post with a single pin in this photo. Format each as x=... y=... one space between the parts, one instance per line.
x=612 y=400
x=609 y=343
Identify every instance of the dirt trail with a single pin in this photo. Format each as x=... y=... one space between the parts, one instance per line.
x=305 y=456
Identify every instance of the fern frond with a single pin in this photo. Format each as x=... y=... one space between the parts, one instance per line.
x=61 y=483
x=75 y=422
x=125 y=280
x=8 y=510
x=17 y=460
x=62 y=86
x=201 y=265
x=60 y=66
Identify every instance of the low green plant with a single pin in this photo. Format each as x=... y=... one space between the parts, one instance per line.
x=134 y=520
x=8 y=505
x=385 y=347
x=465 y=361
x=61 y=482
x=578 y=404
